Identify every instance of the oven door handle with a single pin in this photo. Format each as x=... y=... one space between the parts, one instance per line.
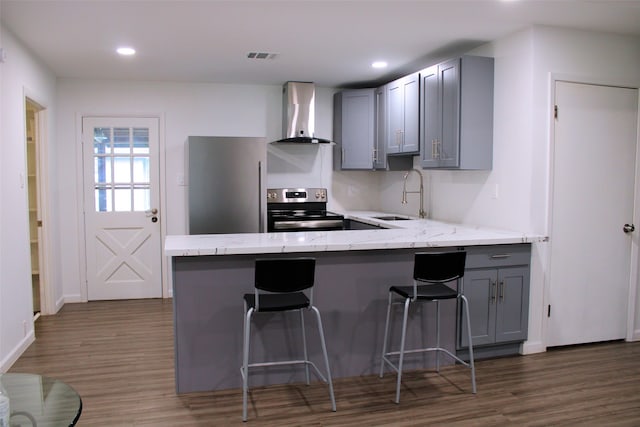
x=288 y=225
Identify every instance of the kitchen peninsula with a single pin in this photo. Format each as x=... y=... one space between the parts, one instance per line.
x=353 y=273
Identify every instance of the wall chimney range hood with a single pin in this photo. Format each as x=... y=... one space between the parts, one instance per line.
x=298 y=114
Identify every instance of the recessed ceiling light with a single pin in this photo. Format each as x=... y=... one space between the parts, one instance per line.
x=126 y=51
x=379 y=64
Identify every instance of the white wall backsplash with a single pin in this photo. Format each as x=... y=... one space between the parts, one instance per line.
x=298 y=165
x=355 y=190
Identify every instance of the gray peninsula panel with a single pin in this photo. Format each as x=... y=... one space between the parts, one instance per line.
x=351 y=293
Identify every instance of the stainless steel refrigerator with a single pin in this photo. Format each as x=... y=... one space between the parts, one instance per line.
x=226 y=179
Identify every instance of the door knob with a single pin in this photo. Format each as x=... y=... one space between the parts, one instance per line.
x=628 y=228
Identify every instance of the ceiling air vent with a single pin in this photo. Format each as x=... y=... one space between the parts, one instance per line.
x=261 y=55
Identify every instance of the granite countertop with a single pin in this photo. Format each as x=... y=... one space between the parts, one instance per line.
x=412 y=233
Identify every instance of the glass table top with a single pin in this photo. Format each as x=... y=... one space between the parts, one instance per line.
x=41 y=401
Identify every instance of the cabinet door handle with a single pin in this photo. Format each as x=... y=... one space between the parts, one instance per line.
x=502 y=290
x=434 y=150
x=375 y=155
x=492 y=293
x=500 y=256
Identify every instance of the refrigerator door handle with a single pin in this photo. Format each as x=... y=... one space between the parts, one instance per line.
x=260 y=195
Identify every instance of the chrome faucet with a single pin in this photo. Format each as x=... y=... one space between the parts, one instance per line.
x=421 y=212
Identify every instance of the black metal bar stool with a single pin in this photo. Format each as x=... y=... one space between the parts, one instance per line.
x=431 y=272
x=282 y=282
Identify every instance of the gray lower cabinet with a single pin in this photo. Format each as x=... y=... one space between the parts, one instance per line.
x=496 y=283
x=456 y=117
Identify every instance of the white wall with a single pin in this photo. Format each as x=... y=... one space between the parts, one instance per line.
x=21 y=75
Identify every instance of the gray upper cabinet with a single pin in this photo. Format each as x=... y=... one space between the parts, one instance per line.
x=403 y=106
x=354 y=129
x=359 y=129
x=380 y=149
x=456 y=119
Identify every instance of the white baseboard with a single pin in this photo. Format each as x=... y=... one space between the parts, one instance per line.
x=14 y=354
x=72 y=299
x=59 y=304
x=532 y=347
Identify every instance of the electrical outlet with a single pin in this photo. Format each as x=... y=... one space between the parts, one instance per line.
x=180 y=179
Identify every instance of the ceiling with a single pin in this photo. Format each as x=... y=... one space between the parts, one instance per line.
x=329 y=42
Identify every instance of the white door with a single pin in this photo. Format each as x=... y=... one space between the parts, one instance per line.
x=593 y=198
x=121 y=201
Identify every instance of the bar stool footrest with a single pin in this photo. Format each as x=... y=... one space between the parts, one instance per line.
x=287 y=363
x=423 y=350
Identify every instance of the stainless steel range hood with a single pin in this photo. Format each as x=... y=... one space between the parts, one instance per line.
x=298 y=114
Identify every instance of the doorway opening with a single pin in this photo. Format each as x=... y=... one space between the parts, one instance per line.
x=33 y=149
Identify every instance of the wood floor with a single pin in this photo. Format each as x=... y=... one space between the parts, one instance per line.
x=119 y=356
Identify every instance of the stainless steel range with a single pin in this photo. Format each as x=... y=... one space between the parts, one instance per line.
x=300 y=209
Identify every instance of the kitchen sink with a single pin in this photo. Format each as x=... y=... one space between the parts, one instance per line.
x=391 y=218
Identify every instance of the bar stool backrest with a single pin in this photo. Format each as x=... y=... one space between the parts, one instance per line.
x=439 y=267
x=284 y=275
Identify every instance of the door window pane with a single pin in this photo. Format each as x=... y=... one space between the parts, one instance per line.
x=141 y=199
x=140 y=141
x=122 y=170
x=101 y=140
x=121 y=141
x=122 y=199
x=141 y=172
x=102 y=169
x=103 y=199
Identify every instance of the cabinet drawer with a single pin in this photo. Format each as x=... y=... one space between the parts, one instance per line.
x=498 y=256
